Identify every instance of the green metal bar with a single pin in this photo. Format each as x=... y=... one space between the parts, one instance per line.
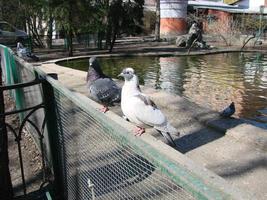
x=48 y=196
x=12 y=77
x=8 y=74
x=19 y=95
x=6 y=191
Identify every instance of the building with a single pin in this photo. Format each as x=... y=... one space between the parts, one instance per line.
x=232 y=6
x=226 y=11
x=174 y=12
x=248 y=5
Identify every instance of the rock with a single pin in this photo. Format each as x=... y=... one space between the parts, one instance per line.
x=181 y=41
x=192 y=39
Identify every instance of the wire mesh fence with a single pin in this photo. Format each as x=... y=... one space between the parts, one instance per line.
x=87 y=40
x=95 y=156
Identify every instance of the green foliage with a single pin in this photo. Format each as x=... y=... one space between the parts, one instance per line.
x=149 y=22
x=10 y=11
x=26 y=14
x=124 y=17
x=132 y=16
x=107 y=18
x=250 y=24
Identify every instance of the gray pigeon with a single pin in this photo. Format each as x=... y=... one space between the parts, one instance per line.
x=25 y=53
x=229 y=111
x=101 y=87
x=142 y=111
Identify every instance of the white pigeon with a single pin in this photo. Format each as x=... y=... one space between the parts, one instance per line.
x=142 y=111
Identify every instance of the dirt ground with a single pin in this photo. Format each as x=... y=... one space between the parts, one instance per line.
x=32 y=162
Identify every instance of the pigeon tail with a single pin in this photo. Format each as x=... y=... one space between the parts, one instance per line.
x=172 y=130
x=168 y=138
x=117 y=97
x=168 y=128
x=167 y=132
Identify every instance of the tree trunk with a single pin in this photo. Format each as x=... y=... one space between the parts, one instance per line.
x=6 y=190
x=70 y=32
x=49 y=32
x=108 y=36
x=157 y=24
x=245 y=43
x=99 y=39
x=70 y=45
x=113 y=41
x=34 y=33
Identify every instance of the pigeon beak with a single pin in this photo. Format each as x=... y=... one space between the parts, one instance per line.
x=121 y=75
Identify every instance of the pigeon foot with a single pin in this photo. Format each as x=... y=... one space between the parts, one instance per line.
x=125 y=118
x=104 y=109
x=138 y=131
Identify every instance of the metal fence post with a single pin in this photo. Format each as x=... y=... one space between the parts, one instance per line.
x=6 y=191
x=53 y=135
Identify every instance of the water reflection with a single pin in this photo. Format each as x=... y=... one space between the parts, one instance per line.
x=171 y=72
x=211 y=80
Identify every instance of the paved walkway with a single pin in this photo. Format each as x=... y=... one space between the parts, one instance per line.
x=141 y=46
x=232 y=148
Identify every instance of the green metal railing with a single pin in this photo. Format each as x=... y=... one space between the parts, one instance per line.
x=94 y=156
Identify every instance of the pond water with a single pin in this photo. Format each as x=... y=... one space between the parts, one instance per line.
x=209 y=80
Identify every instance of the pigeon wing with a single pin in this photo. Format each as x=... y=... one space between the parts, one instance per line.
x=229 y=111
x=105 y=90
x=146 y=111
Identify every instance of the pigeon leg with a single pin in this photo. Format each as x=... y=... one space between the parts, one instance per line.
x=138 y=131
x=124 y=117
x=104 y=109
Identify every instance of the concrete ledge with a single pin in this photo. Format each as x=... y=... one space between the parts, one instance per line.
x=250 y=135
